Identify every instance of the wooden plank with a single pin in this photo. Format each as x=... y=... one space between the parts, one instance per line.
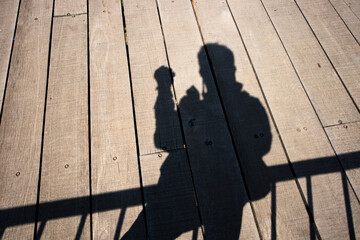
x=171 y=210
x=327 y=94
x=147 y=54
x=65 y=165
x=346 y=140
x=279 y=208
x=114 y=161
x=339 y=44
x=348 y=16
x=354 y=6
x=8 y=14
x=71 y=7
x=299 y=127
x=223 y=202
x=21 y=126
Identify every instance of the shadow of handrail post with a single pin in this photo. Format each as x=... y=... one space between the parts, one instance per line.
x=9 y=217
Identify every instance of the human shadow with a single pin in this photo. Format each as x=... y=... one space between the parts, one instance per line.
x=217 y=181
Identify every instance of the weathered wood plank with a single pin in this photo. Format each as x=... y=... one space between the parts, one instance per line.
x=348 y=16
x=64 y=7
x=8 y=14
x=21 y=126
x=170 y=206
x=223 y=202
x=339 y=44
x=258 y=145
x=346 y=141
x=65 y=165
x=324 y=88
x=160 y=129
x=300 y=129
x=171 y=210
x=114 y=161
x=354 y=6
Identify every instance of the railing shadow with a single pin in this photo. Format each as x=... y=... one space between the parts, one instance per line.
x=250 y=115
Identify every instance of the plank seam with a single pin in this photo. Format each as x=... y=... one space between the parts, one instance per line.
x=344 y=21
x=10 y=57
x=351 y=9
x=339 y=124
x=333 y=66
x=43 y=125
x=70 y=15
x=311 y=218
x=89 y=116
x=134 y=119
x=341 y=165
x=181 y=123
x=227 y=121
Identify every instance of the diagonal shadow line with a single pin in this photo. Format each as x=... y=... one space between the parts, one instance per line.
x=119 y=224
x=41 y=229
x=310 y=204
x=273 y=211
x=10 y=217
x=81 y=226
x=348 y=206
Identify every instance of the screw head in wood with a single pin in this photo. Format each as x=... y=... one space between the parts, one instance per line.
x=159 y=155
x=305 y=128
x=340 y=122
x=345 y=126
x=17 y=174
x=114 y=158
x=66 y=165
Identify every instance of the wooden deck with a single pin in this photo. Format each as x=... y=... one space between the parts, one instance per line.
x=164 y=119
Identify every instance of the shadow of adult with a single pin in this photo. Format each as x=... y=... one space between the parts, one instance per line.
x=217 y=180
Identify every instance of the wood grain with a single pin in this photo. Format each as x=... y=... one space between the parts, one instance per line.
x=147 y=54
x=64 y=7
x=339 y=44
x=65 y=165
x=257 y=142
x=223 y=202
x=8 y=14
x=348 y=16
x=346 y=140
x=299 y=127
x=21 y=126
x=114 y=161
x=171 y=210
x=324 y=88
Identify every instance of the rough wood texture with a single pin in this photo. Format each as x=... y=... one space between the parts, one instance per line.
x=170 y=203
x=65 y=165
x=258 y=146
x=113 y=145
x=297 y=123
x=21 y=126
x=348 y=16
x=354 y=5
x=64 y=7
x=339 y=44
x=346 y=141
x=223 y=202
x=8 y=13
x=326 y=92
x=147 y=54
